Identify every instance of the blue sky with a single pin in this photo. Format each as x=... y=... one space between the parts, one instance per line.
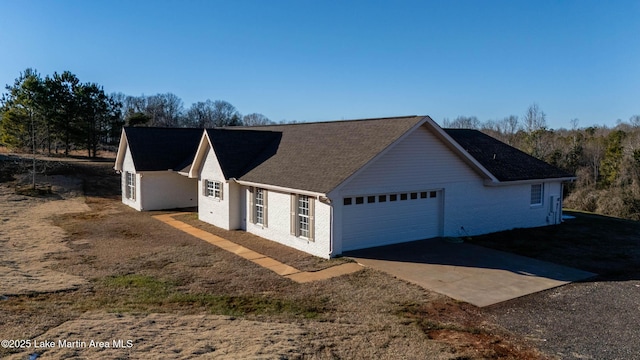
x=329 y=60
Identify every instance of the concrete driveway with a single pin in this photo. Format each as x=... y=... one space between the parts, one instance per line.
x=466 y=272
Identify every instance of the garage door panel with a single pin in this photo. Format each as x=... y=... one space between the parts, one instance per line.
x=375 y=224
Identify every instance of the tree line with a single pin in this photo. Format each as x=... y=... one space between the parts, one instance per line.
x=167 y=110
x=58 y=113
x=605 y=160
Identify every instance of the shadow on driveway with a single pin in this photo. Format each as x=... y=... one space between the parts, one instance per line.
x=470 y=273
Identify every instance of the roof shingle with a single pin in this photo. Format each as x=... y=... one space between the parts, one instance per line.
x=237 y=150
x=505 y=162
x=319 y=156
x=157 y=149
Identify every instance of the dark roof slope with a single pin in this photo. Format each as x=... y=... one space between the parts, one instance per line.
x=236 y=150
x=320 y=156
x=157 y=149
x=505 y=162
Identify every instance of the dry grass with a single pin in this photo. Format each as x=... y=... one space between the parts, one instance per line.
x=103 y=153
x=599 y=244
x=136 y=265
x=298 y=259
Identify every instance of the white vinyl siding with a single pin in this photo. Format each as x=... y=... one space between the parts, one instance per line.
x=537 y=192
x=422 y=161
x=130 y=185
x=411 y=182
x=416 y=162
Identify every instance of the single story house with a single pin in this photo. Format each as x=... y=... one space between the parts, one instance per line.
x=329 y=187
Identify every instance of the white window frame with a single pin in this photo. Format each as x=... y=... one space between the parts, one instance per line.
x=302 y=216
x=130 y=185
x=259 y=205
x=213 y=189
x=537 y=195
x=256 y=203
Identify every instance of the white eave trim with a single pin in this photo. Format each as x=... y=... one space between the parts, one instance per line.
x=422 y=121
x=279 y=188
x=468 y=158
x=528 y=181
x=198 y=159
x=122 y=150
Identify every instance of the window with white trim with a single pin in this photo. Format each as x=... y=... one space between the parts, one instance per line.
x=259 y=206
x=303 y=216
x=537 y=191
x=130 y=186
x=213 y=189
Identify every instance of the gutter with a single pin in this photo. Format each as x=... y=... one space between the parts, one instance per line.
x=527 y=181
x=321 y=197
x=279 y=188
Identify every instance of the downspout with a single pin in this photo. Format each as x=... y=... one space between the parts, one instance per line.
x=559 y=220
x=332 y=230
x=326 y=200
x=139 y=188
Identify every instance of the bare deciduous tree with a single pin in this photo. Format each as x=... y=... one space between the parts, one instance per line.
x=534 y=119
x=256 y=119
x=207 y=114
x=511 y=124
x=225 y=114
x=462 y=122
x=200 y=114
x=574 y=123
x=165 y=110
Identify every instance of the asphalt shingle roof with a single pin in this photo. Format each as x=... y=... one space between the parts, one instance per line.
x=505 y=162
x=157 y=149
x=238 y=150
x=316 y=156
x=320 y=156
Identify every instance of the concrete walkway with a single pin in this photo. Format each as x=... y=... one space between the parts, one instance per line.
x=466 y=272
x=257 y=258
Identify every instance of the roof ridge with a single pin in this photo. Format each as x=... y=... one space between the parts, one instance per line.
x=330 y=121
x=161 y=128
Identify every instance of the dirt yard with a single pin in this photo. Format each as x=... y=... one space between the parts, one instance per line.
x=84 y=276
x=27 y=249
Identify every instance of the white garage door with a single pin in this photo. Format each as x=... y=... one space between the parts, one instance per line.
x=384 y=219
